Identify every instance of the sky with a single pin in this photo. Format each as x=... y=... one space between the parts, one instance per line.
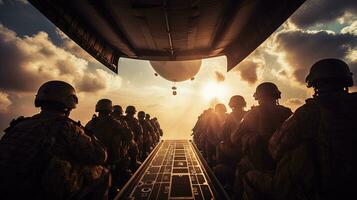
x=33 y=51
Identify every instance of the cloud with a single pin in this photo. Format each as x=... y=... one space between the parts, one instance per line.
x=322 y=11
x=27 y=62
x=248 y=71
x=5 y=102
x=294 y=103
x=351 y=29
x=300 y=49
x=219 y=76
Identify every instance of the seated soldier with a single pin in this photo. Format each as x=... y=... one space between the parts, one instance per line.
x=214 y=132
x=315 y=149
x=160 y=131
x=252 y=137
x=48 y=155
x=227 y=154
x=154 y=133
x=147 y=131
x=135 y=147
x=118 y=113
x=202 y=128
x=114 y=136
x=196 y=133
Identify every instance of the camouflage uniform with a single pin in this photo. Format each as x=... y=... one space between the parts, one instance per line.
x=196 y=133
x=202 y=129
x=49 y=156
x=115 y=136
x=147 y=136
x=160 y=132
x=252 y=138
x=227 y=153
x=135 y=145
x=155 y=134
x=214 y=133
x=315 y=148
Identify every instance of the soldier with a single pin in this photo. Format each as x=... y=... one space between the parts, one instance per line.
x=147 y=135
x=253 y=135
x=227 y=153
x=48 y=155
x=155 y=133
x=202 y=129
x=158 y=129
x=315 y=149
x=118 y=113
x=136 y=145
x=214 y=132
x=114 y=136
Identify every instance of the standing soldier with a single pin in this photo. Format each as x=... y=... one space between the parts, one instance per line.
x=227 y=154
x=315 y=149
x=147 y=133
x=48 y=155
x=113 y=135
x=254 y=132
x=136 y=145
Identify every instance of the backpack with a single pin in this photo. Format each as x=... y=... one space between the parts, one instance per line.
x=336 y=145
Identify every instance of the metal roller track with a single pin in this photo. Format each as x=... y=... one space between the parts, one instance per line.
x=174 y=170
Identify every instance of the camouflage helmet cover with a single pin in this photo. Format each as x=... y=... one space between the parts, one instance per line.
x=130 y=109
x=141 y=114
x=267 y=89
x=104 y=105
x=329 y=69
x=220 y=108
x=57 y=91
x=237 y=101
x=117 y=108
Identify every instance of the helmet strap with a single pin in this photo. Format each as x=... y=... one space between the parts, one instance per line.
x=319 y=92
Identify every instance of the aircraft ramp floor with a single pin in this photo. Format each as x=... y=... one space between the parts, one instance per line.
x=174 y=170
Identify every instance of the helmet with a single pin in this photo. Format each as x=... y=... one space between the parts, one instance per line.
x=237 y=101
x=220 y=108
x=57 y=92
x=117 y=109
x=141 y=114
x=329 y=69
x=104 y=105
x=267 y=89
x=130 y=109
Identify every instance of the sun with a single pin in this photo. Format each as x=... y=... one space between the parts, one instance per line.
x=214 y=91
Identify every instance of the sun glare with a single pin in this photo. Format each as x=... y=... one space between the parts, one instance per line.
x=213 y=91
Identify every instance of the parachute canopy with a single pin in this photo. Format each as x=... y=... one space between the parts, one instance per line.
x=177 y=71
